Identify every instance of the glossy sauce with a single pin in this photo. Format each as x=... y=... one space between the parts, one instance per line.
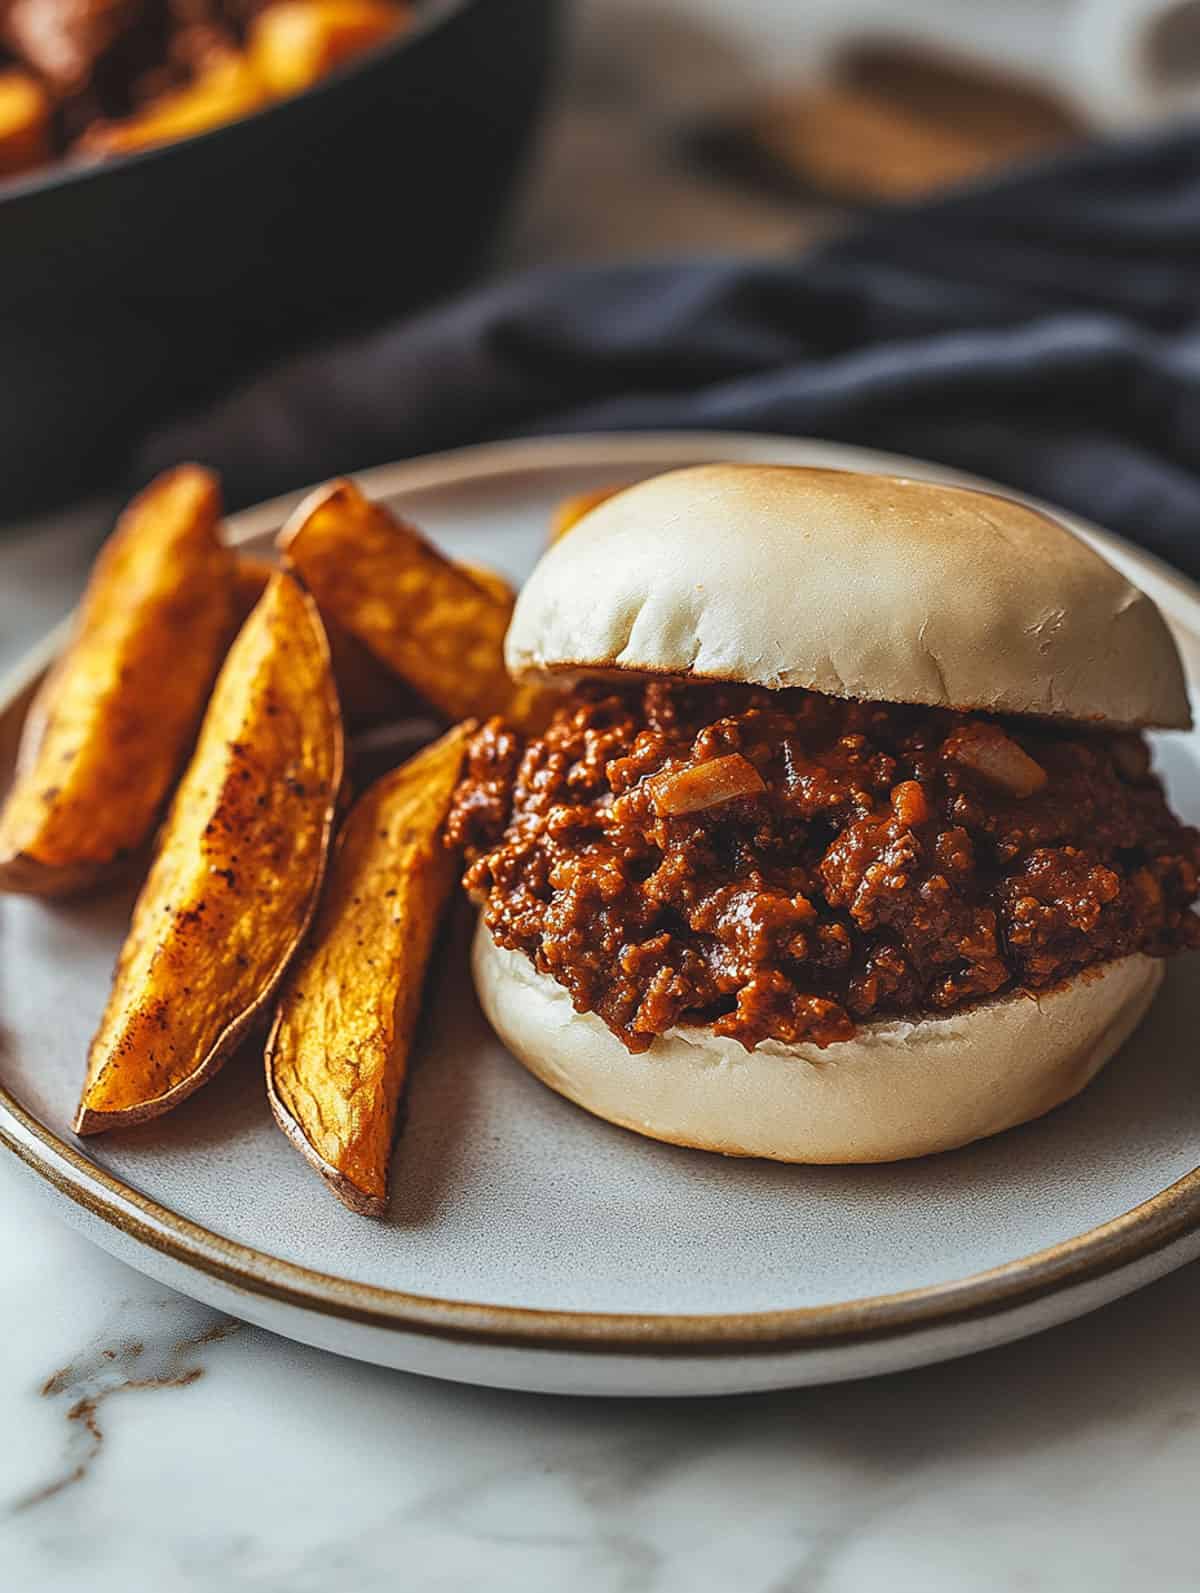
x=871 y=861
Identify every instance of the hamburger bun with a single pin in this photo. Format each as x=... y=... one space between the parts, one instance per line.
x=872 y=587
x=896 y=1090
x=876 y=588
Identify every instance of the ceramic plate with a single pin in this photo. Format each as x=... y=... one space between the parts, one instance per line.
x=531 y=1246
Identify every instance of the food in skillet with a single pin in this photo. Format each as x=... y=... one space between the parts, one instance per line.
x=107 y=77
x=24 y=122
x=843 y=844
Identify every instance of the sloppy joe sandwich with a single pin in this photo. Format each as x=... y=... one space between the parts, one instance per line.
x=843 y=843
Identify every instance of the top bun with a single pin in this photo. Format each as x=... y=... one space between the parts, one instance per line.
x=872 y=587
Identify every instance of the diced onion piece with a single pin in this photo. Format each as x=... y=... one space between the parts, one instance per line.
x=987 y=751
x=909 y=804
x=704 y=785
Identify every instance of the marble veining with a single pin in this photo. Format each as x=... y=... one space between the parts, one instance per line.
x=147 y=1442
x=118 y=1365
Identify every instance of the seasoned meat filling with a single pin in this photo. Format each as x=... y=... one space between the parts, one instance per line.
x=785 y=865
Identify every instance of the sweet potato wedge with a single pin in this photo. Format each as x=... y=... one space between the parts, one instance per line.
x=111 y=725
x=293 y=43
x=572 y=510
x=253 y=573
x=237 y=872
x=338 y=1051
x=431 y=622
x=369 y=693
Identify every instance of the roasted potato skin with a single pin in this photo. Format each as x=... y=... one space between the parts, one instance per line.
x=432 y=623
x=112 y=722
x=369 y=693
x=237 y=872
x=337 y=1056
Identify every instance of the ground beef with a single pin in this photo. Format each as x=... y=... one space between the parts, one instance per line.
x=835 y=862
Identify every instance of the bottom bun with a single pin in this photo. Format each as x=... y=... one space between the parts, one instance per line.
x=898 y=1089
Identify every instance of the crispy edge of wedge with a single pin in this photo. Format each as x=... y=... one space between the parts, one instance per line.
x=370 y=694
x=332 y=515
x=361 y=1201
x=88 y=1121
x=20 y=872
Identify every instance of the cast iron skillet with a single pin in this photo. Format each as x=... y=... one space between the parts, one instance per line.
x=130 y=289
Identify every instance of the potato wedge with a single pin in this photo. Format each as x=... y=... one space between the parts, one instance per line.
x=237 y=872
x=572 y=510
x=293 y=43
x=254 y=572
x=369 y=693
x=111 y=725
x=428 y=620
x=24 y=122
x=338 y=1052
x=227 y=87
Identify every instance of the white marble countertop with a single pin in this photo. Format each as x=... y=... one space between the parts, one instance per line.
x=147 y=1443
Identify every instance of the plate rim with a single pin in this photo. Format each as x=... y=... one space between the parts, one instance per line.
x=1145 y=1230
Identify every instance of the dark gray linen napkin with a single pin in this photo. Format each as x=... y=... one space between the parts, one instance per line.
x=1043 y=330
